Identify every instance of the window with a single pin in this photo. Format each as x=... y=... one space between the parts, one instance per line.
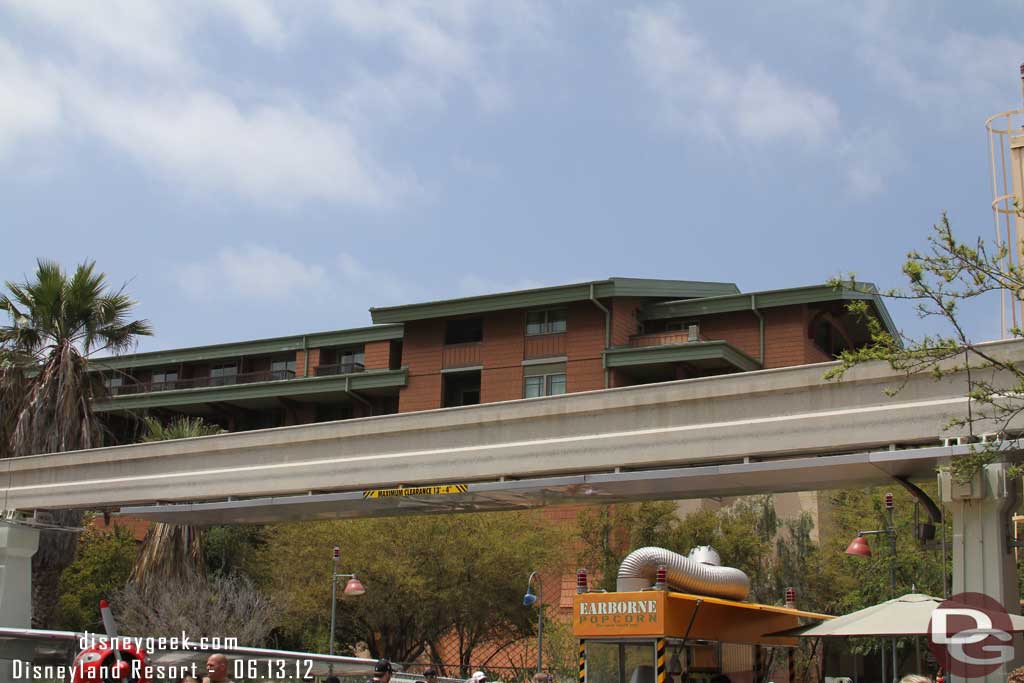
x=464 y=331
x=460 y=389
x=547 y=321
x=282 y=369
x=351 y=360
x=223 y=374
x=113 y=383
x=164 y=379
x=544 y=385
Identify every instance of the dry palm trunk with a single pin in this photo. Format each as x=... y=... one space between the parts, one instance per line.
x=169 y=552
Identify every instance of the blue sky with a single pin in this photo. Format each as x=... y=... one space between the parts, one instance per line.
x=256 y=169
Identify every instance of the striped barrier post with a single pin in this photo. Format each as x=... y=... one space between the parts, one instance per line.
x=661 y=660
x=583 y=662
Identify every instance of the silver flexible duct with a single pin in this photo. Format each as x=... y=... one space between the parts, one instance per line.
x=640 y=568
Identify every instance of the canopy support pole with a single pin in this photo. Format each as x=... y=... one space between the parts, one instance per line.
x=983 y=560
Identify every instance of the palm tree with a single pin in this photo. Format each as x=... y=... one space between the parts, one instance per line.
x=171 y=551
x=57 y=324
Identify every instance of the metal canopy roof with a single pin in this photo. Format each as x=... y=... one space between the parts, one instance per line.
x=775 y=476
x=545 y=296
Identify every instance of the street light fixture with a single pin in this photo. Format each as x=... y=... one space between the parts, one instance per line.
x=859 y=548
x=529 y=600
x=353 y=587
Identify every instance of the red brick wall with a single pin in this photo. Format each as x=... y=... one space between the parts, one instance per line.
x=584 y=345
x=739 y=329
x=785 y=335
x=377 y=355
x=501 y=354
x=421 y=354
x=300 y=362
x=624 y=320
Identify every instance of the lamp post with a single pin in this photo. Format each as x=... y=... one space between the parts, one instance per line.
x=353 y=587
x=529 y=599
x=859 y=547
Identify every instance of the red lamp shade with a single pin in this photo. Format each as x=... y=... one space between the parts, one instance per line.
x=859 y=546
x=354 y=587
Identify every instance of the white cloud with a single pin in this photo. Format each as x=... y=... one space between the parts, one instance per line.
x=252 y=273
x=697 y=91
x=870 y=157
x=132 y=76
x=438 y=46
x=276 y=153
x=30 y=107
x=382 y=287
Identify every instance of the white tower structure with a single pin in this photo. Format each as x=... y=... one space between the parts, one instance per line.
x=1006 y=161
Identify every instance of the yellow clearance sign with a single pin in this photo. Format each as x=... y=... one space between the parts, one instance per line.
x=440 y=490
x=598 y=615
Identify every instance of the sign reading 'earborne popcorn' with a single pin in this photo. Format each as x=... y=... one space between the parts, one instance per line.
x=618 y=614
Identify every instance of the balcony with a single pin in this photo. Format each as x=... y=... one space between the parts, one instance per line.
x=463 y=355
x=346 y=368
x=202 y=382
x=661 y=339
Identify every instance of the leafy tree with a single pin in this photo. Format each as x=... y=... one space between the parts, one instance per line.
x=171 y=549
x=102 y=567
x=940 y=281
x=231 y=548
x=57 y=323
x=610 y=532
x=426 y=578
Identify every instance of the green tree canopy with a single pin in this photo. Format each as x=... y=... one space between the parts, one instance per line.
x=426 y=578
x=101 y=568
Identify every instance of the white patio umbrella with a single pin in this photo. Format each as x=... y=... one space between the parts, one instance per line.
x=908 y=615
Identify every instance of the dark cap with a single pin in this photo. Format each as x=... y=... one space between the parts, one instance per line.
x=382 y=666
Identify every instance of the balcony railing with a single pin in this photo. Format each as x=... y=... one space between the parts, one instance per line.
x=346 y=368
x=201 y=382
x=460 y=355
x=661 y=338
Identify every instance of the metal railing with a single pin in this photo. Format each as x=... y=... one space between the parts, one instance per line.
x=201 y=382
x=346 y=368
x=661 y=338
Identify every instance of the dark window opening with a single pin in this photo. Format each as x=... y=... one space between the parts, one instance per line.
x=464 y=331
x=461 y=389
x=282 y=369
x=827 y=338
x=164 y=379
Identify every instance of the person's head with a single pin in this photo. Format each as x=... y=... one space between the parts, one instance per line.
x=540 y=677
x=915 y=678
x=430 y=675
x=217 y=667
x=382 y=670
x=478 y=677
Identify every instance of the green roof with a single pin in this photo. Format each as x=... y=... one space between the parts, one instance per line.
x=547 y=296
x=298 y=387
x=255 y=347
x=687 y=352
x=769 y=299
